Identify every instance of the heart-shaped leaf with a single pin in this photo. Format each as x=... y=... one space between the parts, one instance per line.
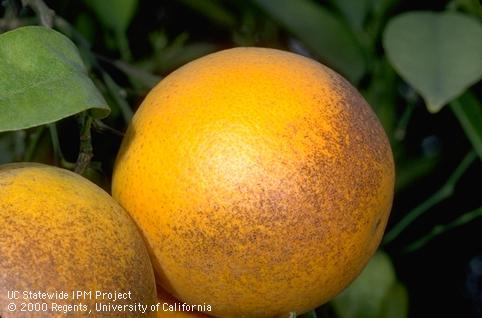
x=43 y=79
x=439 y=54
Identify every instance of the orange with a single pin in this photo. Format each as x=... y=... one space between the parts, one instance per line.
x=261 y=180
x=63 y=235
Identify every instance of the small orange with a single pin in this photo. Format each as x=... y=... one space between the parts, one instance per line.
x=63 y=235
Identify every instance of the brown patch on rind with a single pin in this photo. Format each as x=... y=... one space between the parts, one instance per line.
x=362 y=120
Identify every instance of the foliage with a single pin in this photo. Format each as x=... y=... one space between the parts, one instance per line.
x=49 y=82
x=388 y=300
x=424 y=47
x=328 y=37
x=63 y=62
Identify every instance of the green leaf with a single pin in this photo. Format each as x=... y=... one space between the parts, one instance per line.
x=366 y=296
x=409 y=170
x=381 y=94
x=322 y=32
x=43 y=79
x=379 y=10
x=114 y=14
x=395 y=303
x=439 y=54
x=212 y=10
x=469 y=113
x=85 y=25
x=354 y=11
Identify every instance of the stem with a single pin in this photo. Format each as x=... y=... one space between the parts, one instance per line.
x=100 y=126
x=442 y=228
x=401 y=129
x=443 y=193
x=10 y=20
x=86 y=150
x=146 y=78
x=34 y=139
x=45 y=14
x=58 y=155
x=123 y=44
x=71 y=32
x=54 y=137
x=19 y=143
x=468 y=111
x=116 y=93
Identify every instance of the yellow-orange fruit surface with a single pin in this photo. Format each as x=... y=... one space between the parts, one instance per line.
x=261 y=179
x=60 y=233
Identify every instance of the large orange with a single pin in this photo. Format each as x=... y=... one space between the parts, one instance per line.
x=261 y=179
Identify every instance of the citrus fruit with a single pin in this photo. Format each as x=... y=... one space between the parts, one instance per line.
x=64 y=240
x=261 y=180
